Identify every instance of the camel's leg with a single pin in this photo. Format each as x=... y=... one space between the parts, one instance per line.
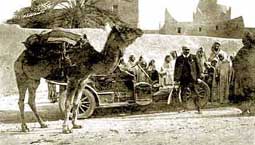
x=52 y=92
x=21 y=80
x=33 y=85
x=22 y=92
x=62 y=89
x=71 y=91
x=77 y=98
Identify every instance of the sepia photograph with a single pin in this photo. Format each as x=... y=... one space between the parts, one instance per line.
x=127 y=72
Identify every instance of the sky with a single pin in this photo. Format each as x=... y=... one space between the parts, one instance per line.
x=151 y=12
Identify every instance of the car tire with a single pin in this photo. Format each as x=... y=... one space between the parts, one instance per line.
x=204 y=93
x=87 y=104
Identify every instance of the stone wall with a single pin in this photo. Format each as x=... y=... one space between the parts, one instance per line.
x=11 y=37
x=210 y=19
x=151 y=46
x=233 y=28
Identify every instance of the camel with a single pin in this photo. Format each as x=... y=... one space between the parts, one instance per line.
x=244 y=74
x=85 y=62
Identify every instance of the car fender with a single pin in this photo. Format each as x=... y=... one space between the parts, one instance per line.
x=94 y=92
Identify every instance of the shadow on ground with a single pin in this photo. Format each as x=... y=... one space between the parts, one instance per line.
x=48 y=112
x=51 y=112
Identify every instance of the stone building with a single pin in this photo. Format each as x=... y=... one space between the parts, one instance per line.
x=126 y=10
x=210 y=19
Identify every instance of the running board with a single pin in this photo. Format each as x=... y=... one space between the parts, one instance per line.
x=124 y=104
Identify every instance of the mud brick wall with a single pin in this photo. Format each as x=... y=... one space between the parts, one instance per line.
x=151 y=46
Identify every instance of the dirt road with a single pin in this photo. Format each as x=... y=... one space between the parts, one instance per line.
x=222 y=126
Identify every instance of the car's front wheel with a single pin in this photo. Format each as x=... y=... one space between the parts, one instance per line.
x=87 y=104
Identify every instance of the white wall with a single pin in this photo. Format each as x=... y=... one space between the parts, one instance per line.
x=151 y=46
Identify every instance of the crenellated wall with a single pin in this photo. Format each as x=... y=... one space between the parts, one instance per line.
x=210 y=19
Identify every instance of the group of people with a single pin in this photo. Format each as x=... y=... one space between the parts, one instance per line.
x=144 y=72
x=147 y=72
x=186 y=69
x=219 y=74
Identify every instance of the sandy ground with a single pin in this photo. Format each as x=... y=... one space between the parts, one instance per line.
x=221 y=126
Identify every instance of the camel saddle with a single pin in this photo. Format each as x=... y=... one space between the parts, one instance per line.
x=50 y=46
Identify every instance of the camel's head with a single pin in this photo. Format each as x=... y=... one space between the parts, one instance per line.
x=128 y=34
x=125 y=35
x=32 y=40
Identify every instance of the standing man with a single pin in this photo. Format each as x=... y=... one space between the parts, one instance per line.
x=201 y=57
x=187 y=72
x=224 y=72
x=52 y=92
x=215 y=51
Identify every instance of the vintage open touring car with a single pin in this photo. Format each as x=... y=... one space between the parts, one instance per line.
x=121 y=89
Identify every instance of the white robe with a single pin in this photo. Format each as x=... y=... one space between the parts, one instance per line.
x=166 y=74
x=224 y=72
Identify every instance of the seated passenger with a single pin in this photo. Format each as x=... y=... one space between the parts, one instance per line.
x=141 y=75
x=83 y=40
x=153 y=73
x=124 y=69
x=166 y=72
x=123 y=65
x=142 y=62
x=131 y=64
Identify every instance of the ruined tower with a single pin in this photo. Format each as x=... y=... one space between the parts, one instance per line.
x=210 y=19
x=208 y=11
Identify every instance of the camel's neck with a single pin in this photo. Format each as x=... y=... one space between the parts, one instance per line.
x=110 y=56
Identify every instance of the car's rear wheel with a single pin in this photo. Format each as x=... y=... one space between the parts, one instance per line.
x=87 y=104
x=203 y=91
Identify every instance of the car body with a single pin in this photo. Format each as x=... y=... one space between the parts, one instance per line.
x=113 y=90
x=120 y=88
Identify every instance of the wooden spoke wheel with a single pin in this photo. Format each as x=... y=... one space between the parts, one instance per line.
x=203 y=92
x=86 y=106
